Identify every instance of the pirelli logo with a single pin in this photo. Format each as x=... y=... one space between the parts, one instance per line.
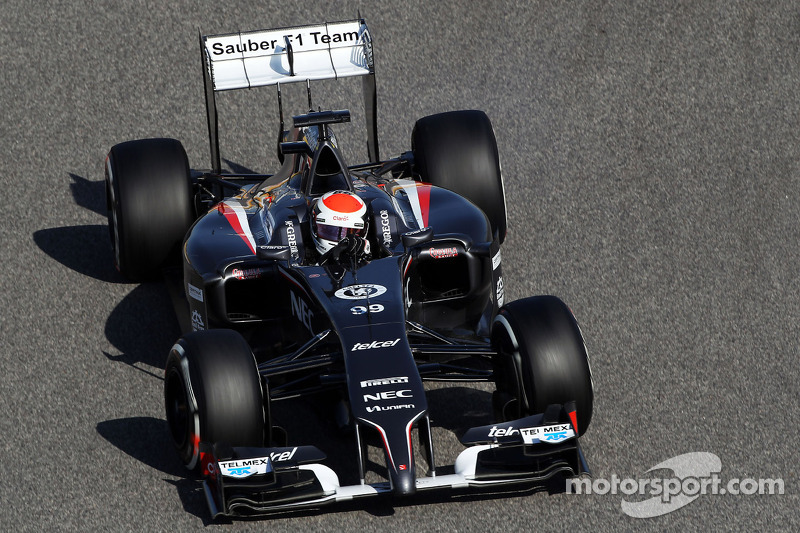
x=383 y=381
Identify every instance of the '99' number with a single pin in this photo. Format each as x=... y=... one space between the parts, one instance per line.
x=360 y=309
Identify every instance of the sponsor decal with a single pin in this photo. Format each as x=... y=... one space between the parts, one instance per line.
x=197 y=321
x=386 y=229
x=553 y=434
x=383 y=381
x=503 y=432
x=246 y=273
x=195 y=293
x=243 y=468
x=388 y=395
x=277 y=457
x=374 y=344
x=301 y=311
x=272 y=247
x=291 y=239
x=240 y=471
x=501 y=295
x=255 y=461
x=496 y=260
x=267 y=43
x=379 y=408
x=321 y=38
x=219 y=49
x=441 y=253
x=360 y=309
x=360 y=292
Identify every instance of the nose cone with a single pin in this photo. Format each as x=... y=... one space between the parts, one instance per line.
x=403 y=480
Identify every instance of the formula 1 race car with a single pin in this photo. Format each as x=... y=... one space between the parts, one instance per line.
x=363 y=280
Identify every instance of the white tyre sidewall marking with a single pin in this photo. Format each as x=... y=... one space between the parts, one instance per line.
x=115 y=222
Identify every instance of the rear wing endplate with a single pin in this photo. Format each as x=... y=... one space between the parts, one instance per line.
x=245 y=60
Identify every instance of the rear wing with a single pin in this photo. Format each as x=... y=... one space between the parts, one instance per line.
x=260 y=58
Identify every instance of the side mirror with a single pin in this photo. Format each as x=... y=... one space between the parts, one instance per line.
x=274 y=253
x=417 y=237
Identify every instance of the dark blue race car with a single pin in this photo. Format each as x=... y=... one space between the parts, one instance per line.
x=359 y=280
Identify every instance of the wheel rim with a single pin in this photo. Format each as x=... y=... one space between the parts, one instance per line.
x=177 y=407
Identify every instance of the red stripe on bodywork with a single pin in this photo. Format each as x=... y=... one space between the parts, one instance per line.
x=385 y=442
x=233 y=220
x=424 y=192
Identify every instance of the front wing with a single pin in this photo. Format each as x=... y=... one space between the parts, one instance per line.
x=254 y=481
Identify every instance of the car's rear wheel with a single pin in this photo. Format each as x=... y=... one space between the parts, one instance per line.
x=541 y=360
x=213 y=394
x=457 y=150
x=149 y=196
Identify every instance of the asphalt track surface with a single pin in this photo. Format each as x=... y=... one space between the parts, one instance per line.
x=651 y=163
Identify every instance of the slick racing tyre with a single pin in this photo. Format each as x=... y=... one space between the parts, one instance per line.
x=213 y=394
x=542 y=359
x=458 y=151
x=149 y=196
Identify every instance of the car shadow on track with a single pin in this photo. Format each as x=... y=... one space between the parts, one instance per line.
x=84 y=249
x=90 y=195
x=146 y=439
x=143 y=327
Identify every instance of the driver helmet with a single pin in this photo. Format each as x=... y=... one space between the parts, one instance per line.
x=335 y=215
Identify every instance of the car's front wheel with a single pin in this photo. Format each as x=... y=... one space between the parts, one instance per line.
x=213 y=393
x=541 y=360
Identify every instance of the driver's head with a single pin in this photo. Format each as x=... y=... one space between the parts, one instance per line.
x=335 y=215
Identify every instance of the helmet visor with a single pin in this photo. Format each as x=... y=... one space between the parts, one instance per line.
x=336 y=233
